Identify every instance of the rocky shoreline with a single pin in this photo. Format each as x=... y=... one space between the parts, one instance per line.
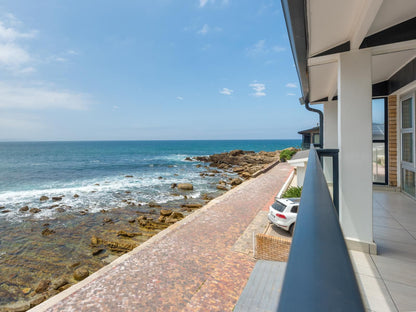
x=106 y=235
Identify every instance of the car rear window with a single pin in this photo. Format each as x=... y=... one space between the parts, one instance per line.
x=278 y=206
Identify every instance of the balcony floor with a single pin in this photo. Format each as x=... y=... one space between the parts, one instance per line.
x=388 y=279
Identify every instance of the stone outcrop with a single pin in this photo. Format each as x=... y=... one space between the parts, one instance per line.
x=185 y=186
x=244 y=163
x=81 y=273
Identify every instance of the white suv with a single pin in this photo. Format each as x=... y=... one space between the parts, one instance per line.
x=283 y=213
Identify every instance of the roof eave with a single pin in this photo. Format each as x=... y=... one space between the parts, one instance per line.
x=296 y=24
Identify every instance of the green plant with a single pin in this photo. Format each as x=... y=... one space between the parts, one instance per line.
x=293 y=191
x=287 y=154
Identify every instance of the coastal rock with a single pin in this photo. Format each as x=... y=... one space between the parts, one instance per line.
x=222 y=187
x=236 y=181
x=160 y=178
x=113 y=245
x=188 y=159
x=128 y=234
x=60 y=209
x=198 y=166
x=238 y=169
x=206 y=197
x=173 y=185
x=42 y=286
x=246 y=175
x=174 y=217
x=76 y=196
x=185 y=186
x=131 y=220
x=59 y=283
x=192 y=205
x=236 y=152
x=56 y=198
x=129 y=176
x=165 y=212
x=47 y=232
x=37 y=300
x=43 y=198
x=34 y=210
x=108 y=220
x=5 y=211
x=80 y=274
x=141 y=218
x=75 y=264
x=153 y=205
x=98 y=251
x=26 y=290
x=23 y=209
x=2 y=207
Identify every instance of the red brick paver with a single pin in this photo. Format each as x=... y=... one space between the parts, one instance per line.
x=190 y=267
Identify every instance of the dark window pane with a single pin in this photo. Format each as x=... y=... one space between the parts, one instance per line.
x=407 y=114
x=407 y=145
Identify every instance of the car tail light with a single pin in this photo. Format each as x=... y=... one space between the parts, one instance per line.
x=280 y=216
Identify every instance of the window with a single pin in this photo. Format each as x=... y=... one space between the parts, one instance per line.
x=294 y=209
x=379 y=140
x=407 y=135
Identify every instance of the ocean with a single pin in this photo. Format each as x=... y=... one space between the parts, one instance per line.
x=95 y=181
x=29 y=170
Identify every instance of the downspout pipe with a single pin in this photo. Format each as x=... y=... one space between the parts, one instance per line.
x=321 y=121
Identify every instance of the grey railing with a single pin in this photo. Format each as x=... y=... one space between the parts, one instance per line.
x=319 y=274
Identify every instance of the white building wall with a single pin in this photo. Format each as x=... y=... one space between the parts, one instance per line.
x=331 y=124
x=355 y=144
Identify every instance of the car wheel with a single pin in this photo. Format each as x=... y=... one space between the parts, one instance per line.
x=291 y=229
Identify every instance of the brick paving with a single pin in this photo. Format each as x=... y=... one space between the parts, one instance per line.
x=188 y=267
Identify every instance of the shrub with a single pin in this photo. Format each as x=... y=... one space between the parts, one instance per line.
x=287 y=154
x=293 y=191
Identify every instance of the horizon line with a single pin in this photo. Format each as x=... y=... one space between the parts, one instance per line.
x=136 y=140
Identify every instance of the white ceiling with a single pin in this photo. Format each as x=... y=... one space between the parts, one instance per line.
x=392 y=12
x=333 y=22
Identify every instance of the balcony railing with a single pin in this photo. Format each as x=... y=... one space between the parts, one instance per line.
x=319 y=274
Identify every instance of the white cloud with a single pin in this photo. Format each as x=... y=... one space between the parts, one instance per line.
x=258 y=89
x=41 y=97
x=179 y=98
x=202 y=3
x=226 y=91
x=291 y=85
x=9 y=34
x=291 y=94
x=277 y=48
x=261 y=48
x=116 y=107
x=257 y=48
x=204 y=30
x=72 y=52
x=12 y=56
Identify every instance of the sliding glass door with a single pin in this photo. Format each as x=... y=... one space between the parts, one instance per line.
x=407 y=134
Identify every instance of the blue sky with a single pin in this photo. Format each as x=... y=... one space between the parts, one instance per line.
x=145 y=70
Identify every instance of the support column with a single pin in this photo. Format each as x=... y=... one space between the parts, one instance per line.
x=355 y=144
x=392 y=140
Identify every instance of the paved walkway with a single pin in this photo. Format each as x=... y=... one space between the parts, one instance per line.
x=188 y=267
